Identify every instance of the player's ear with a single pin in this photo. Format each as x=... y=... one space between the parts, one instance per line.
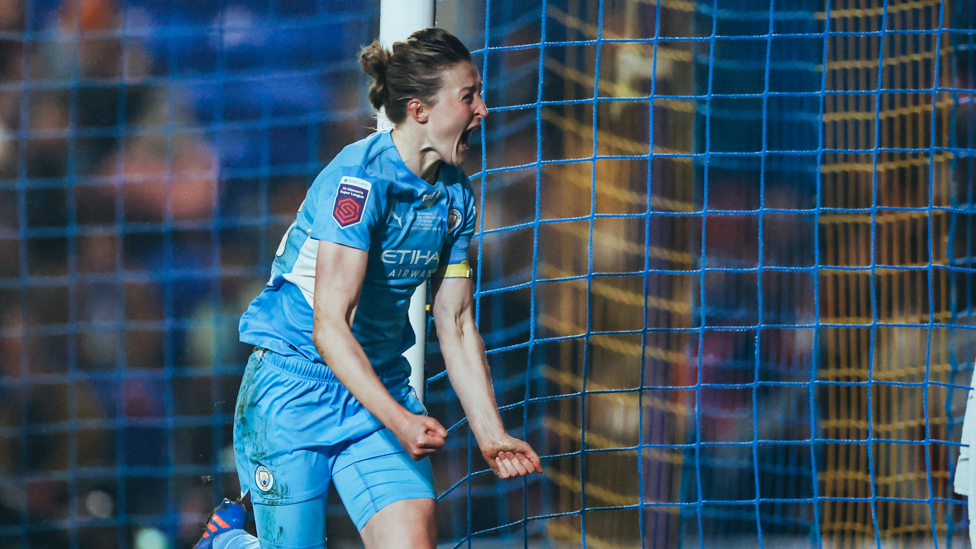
x=417 y=110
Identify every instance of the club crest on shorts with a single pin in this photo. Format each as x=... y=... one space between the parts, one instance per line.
x=350 y=201
x=263 y=478
x=453 y=219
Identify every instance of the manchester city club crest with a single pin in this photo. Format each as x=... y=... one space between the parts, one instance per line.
x=263 y=478
x=453 y=219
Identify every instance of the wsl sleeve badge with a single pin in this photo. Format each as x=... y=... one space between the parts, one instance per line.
x=350 y=201
x=263 y=479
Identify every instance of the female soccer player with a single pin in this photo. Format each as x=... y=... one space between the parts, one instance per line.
x=324 y=396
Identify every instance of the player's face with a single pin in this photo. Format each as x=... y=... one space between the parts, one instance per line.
x=457 y=112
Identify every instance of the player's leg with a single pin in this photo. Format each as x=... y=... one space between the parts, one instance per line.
x=407 y=523
x=288 y=481
x=389 y=496
x=291 y=526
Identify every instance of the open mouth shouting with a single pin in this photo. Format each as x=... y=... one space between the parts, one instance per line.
x=463 y=144
x=466 y=138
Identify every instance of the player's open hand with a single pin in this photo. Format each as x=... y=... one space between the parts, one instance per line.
x=510 y=457
x=420 y=435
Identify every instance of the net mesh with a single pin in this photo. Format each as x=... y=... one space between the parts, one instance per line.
x=748 y=293
x=151 y=155
x=724 y=262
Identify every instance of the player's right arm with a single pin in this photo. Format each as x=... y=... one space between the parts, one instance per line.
x=339 y=274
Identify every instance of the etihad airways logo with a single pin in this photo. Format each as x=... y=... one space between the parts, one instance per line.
x=410 y=257
x=411 y=263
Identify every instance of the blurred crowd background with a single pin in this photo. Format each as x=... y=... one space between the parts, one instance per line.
x=150 y=155
x=731 y=299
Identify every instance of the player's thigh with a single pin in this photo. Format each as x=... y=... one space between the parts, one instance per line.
x=294 y=525
x=375 y=472
x=403 y=524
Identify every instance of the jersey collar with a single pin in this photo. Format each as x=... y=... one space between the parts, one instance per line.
x=405 y=174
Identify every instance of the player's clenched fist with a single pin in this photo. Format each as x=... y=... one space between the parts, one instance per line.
x=510 y=457
x=420 y=435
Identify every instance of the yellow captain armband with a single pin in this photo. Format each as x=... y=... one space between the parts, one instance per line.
x=457 y=270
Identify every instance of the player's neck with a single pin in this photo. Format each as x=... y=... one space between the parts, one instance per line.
x=416 y=153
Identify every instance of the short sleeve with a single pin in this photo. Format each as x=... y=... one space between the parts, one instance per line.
x=349 y=205
x=461 y=218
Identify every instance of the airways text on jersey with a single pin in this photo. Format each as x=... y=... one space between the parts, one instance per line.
x=410 y=263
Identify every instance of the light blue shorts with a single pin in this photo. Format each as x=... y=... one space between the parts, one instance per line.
x=297 y=428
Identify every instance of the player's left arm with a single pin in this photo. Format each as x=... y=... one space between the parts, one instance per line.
x=467 y=368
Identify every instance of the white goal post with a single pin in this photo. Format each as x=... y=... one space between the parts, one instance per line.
x=398 y=19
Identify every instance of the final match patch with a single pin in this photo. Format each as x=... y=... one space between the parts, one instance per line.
x=350 y=201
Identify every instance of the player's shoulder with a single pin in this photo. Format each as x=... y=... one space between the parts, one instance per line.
x=459 y=193
x=360 y=161
x=455 y=181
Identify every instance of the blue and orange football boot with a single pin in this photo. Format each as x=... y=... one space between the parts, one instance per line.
x=229 y=515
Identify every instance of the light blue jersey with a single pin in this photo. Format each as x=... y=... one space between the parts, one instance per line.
x=368 y=199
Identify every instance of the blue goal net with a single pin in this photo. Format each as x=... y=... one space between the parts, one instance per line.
x=724 y=262
x=151 y=155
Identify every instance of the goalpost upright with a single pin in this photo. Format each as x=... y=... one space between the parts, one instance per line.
x=398 y=19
